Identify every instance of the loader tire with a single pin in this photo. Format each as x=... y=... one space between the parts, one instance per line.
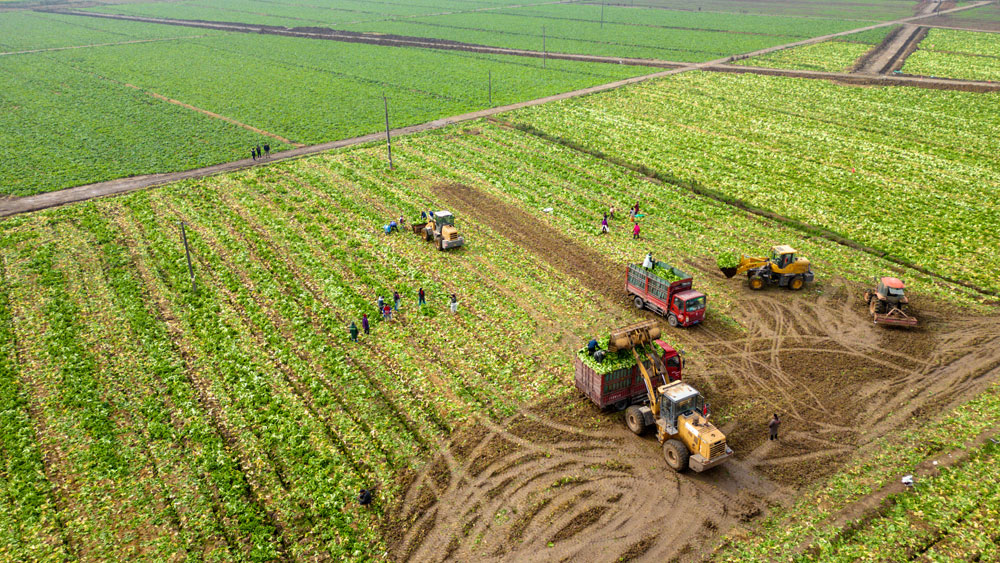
x=676 y=454
x=796 y=283
x=639 y=303
x=634 y=420
x=441 y=245
x=756 y=282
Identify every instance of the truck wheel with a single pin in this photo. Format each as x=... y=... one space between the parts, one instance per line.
x=639 y=303
x=756 y=282
x=672 y=320
x=676 y=454
x=796 y=283
x=634 y=420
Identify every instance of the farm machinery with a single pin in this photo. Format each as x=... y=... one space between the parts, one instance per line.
x=888 y=304
x=666 y=291
x=674 y=407
x=440 y=229
x=781 y=267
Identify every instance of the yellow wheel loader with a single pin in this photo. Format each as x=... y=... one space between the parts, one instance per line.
x=781 y=268
x=676 y=409
x=441 y=230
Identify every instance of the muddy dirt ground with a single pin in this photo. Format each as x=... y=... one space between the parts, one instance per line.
x=564 y=481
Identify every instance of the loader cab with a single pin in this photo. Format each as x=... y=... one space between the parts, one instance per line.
x=782 y=256
x=443 y=218
x=676 y=399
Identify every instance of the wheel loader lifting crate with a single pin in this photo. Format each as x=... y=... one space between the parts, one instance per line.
x=613 y=380
x=673 y=407
x=665 y=290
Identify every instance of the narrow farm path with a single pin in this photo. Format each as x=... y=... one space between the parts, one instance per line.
x=14 y=206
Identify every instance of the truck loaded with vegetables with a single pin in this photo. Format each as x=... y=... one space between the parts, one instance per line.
x=666 y=291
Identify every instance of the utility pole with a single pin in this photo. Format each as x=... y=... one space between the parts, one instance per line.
x=187 y=252
x=388 y=141
x=602 y=14
x=491 y=87
x=543 y=46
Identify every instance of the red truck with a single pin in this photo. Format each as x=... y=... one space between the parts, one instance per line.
x=623 y=386
x=665 y=290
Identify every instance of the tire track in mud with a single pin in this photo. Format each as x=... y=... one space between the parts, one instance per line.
x=506 y=490
x=837 y=380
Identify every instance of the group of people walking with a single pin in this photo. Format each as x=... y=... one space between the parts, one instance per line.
x=387 y=310
x=255 y=152
x=633 y=216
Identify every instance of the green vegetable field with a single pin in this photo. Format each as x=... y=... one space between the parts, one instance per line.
x=863 y=163
x=956 y=54
x=196 y=366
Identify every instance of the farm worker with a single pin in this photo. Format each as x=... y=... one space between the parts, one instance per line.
x=773 y=426
x=386 y=312
x=423 y=216
x=364 y=323
x=353 y=329
x=267 y=149
x=387 y=228
x=420 y=297
x=258 y=151
x=611 y=211
x=395 y=300
x=400 y=220
x=635 y=231
x=636 y=208
x=393 y=226
x=365 y=497
x=604 y=224
x=379 y=303
x=454 y=303
x=592 y=346
x=648 y=262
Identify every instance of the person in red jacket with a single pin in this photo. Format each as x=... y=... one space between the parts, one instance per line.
x=635 y=230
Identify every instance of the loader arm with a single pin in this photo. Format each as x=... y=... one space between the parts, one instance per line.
x=650 y=388
x=749 y=263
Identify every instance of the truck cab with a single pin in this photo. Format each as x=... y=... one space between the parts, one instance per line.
x=686 y=308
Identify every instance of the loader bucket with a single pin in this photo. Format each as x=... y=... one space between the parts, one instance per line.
x=729 y=272
x=633 y=335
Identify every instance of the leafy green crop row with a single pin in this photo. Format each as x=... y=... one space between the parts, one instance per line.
x=956 y=54
x=27 y=30
x=873 y=164
x=835 y=55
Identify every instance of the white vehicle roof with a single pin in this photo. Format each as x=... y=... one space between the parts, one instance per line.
x=678 y=391
x=442 y=213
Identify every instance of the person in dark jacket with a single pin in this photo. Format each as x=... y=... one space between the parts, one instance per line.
x=420 y=297
x=364 y=323
x=353 y=329
x=773 y=426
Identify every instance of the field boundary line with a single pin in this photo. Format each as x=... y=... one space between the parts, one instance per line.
x=214 y=115
x=858 y=79
x=9 y=53
x=386 y=40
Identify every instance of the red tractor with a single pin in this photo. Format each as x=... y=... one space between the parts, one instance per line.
x=888 y=304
